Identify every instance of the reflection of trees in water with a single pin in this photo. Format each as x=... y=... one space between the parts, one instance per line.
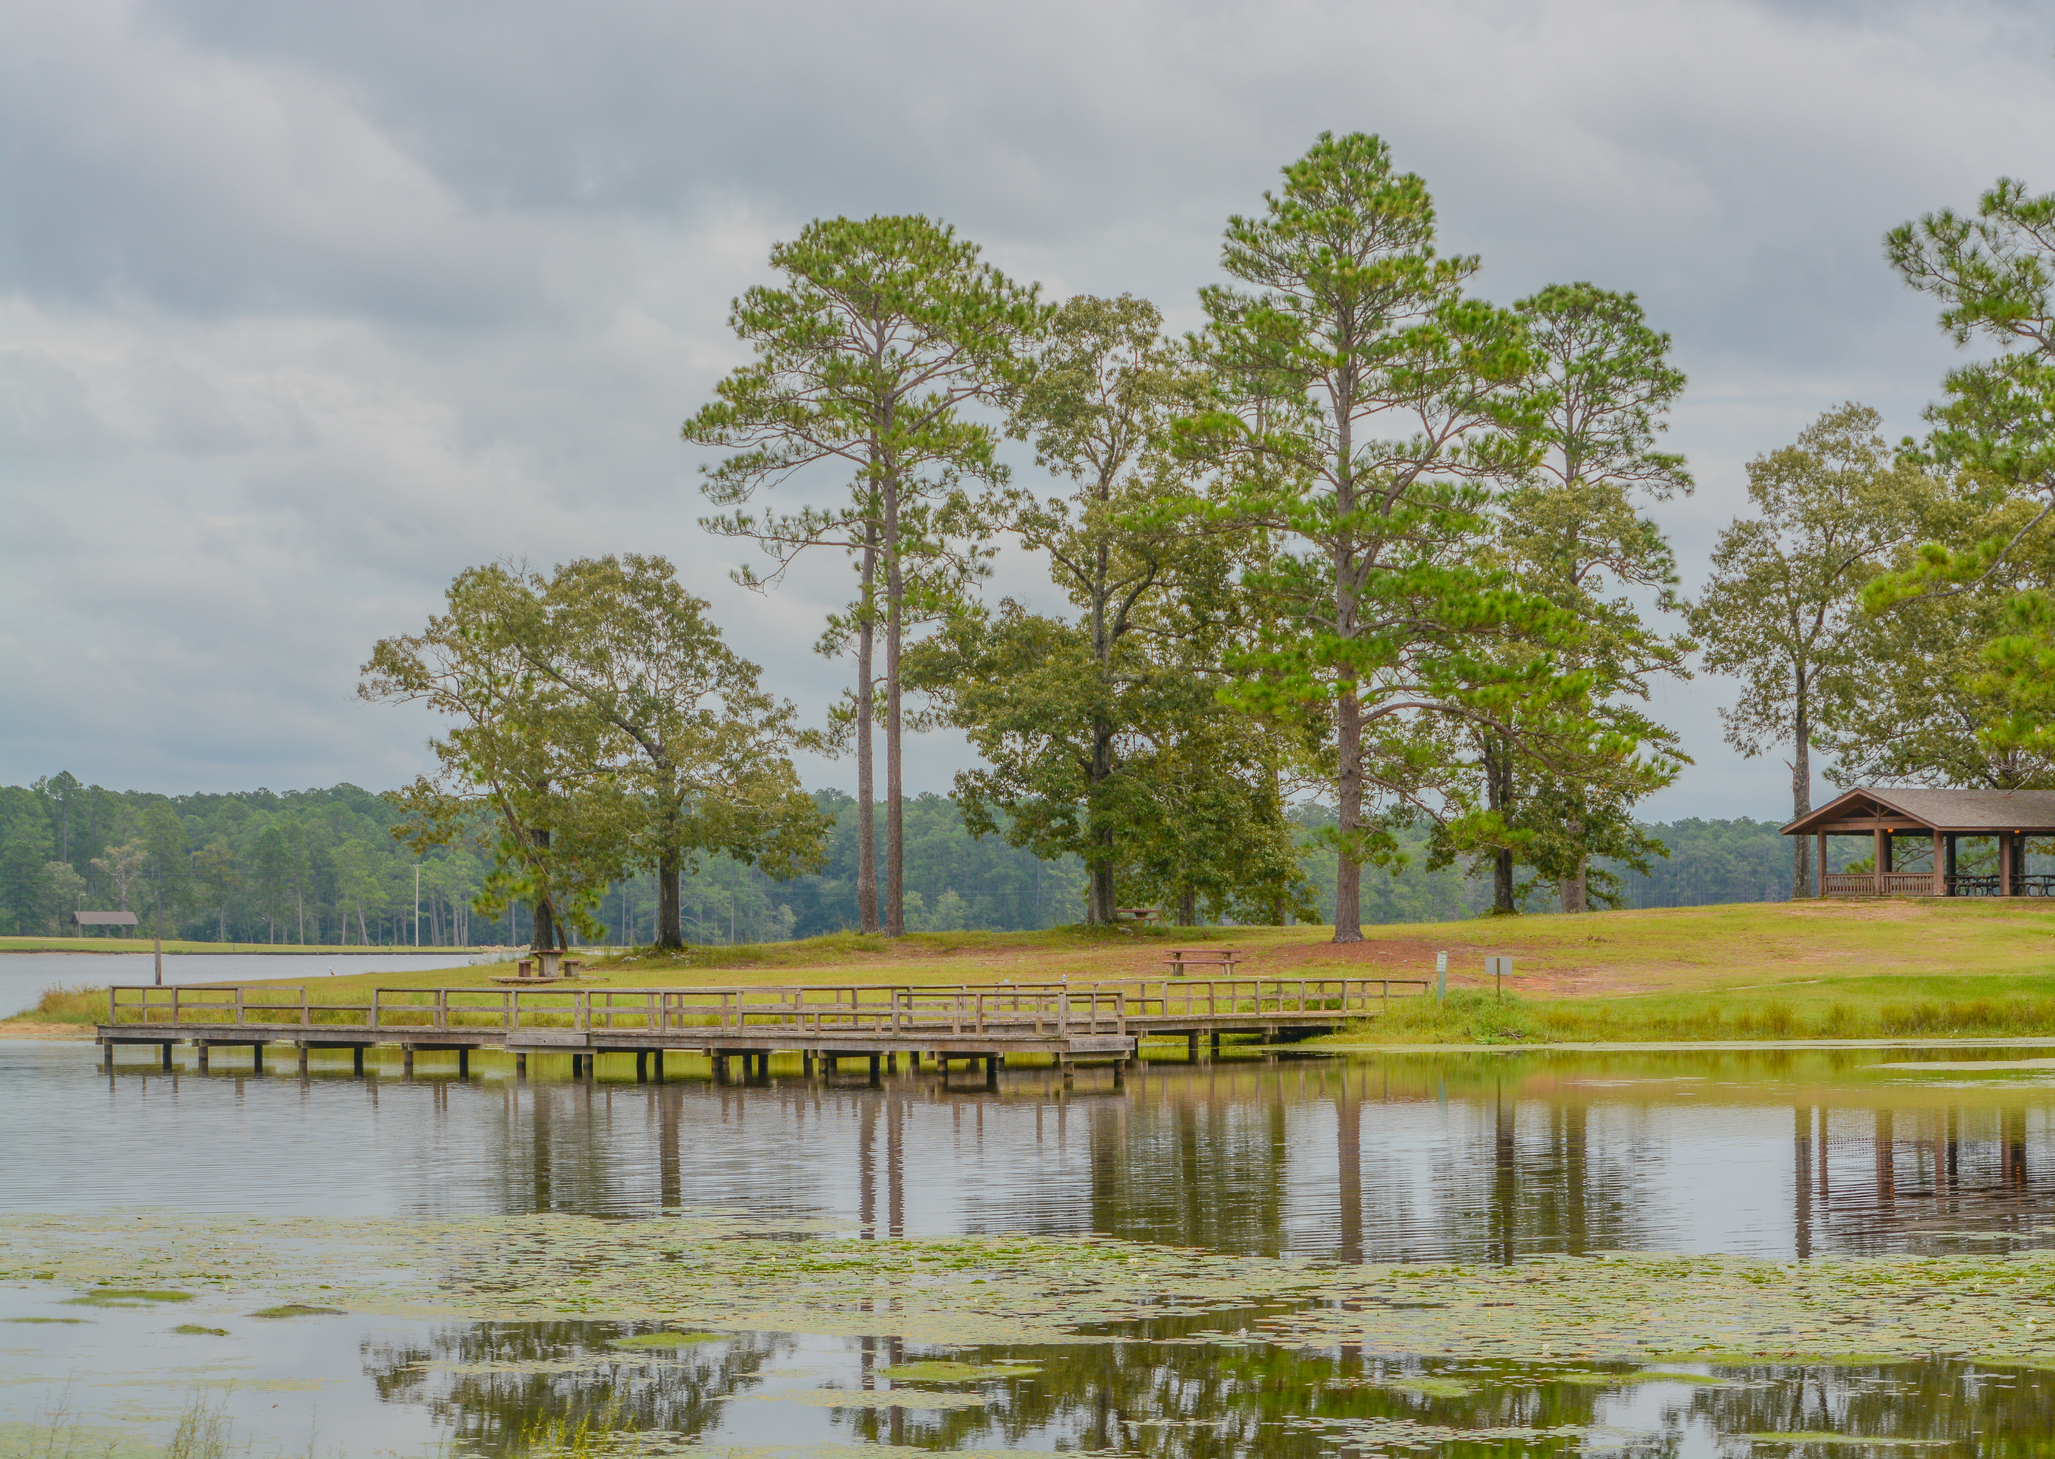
x=1220 y=1403
x=502 y=1411
x=1393 y=1159
x=1872 y=1179
x=2008 y=1412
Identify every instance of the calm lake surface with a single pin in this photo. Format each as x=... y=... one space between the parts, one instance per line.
x=26 y=976
x=1389 y=1159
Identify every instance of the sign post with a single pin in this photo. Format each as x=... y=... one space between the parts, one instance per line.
x=1440 y=976
x=1499 y=968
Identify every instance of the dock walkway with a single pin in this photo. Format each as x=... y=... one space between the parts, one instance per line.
x=987 y=1024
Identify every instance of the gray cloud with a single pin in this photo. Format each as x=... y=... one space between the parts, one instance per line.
x=303 y=307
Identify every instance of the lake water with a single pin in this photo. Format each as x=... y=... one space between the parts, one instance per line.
x=26 y=976
x=1523 y=1158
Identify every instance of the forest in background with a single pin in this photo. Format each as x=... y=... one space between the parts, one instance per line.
x=322 y=867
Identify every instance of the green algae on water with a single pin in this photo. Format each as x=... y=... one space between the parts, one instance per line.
x=701 y=1272
x=941 y=1370
x=298 y=1309
x=127 y=1297
x=194 y=1329
x=1864 y=1441
x=661 y=1341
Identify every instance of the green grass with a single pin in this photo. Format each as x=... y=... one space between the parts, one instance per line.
x=1758 y=971
x=1959 y=1006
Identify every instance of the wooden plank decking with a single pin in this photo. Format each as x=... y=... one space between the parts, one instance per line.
x=988 y=1023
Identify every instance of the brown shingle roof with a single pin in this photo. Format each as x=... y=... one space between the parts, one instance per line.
x=1976 y=812
x=104 y=919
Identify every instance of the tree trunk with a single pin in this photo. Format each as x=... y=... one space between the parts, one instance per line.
x=866 y=769
x=363 y=932
x=1801 y=794
x=670 y=919
x=1575 y=889
x=1348 y=873
x=1498 y=795
x=1188 y=908
x=670 y=922
x=895 y=790
x=1099 y=909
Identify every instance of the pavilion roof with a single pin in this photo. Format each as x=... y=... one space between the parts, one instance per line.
x=103 y=919
x=1972 y=812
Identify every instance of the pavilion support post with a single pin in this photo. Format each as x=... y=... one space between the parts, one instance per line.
x=1951 y=868
x=1940 y=876
x=1819 y=869
x=2004 y=863
x=1882 y=860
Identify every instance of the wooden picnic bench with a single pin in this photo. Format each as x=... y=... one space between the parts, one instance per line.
x=1223 y=958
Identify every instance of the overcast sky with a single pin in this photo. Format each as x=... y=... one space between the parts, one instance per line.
x=306 y=306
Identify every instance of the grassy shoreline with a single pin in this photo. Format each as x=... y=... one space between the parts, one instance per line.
x=1764 y=972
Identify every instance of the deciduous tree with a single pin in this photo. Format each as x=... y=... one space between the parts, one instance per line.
x=522 y=748
x=625 y=639
x=1779 y=612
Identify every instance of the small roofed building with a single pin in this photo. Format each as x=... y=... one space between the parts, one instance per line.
x=83 y=920
x=1907 y=825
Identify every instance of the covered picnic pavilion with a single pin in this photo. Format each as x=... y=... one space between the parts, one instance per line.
x=1894 y=818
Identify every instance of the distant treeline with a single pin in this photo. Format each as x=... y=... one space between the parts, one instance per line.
x=321 y=866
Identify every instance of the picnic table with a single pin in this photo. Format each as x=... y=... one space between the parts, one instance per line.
x=1222 y=958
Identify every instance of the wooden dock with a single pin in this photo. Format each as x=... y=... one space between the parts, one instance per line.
x=823 y=1023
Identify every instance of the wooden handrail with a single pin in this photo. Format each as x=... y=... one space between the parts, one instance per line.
x=817 y=1010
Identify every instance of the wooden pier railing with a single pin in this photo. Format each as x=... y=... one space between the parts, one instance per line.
x=810 y=1012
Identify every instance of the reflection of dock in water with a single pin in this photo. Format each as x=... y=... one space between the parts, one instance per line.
x=822 y=1024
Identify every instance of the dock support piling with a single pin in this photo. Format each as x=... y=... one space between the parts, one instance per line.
x=1216 y=1043
x=407 y=1060
x=520 y=1064
x=806 y=1062
x=256 y=1058
x=166 y=1048
x=357 y=1061
x=641 y=1067
x=877 y=1064
x=1191 y=1047
x=463 y=1063
x=303 y=1060
x=200 y=1048
x=107 y=1057
x=992 y=1063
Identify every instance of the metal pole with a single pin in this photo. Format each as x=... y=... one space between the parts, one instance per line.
x=160 y=936
x=417 y=904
